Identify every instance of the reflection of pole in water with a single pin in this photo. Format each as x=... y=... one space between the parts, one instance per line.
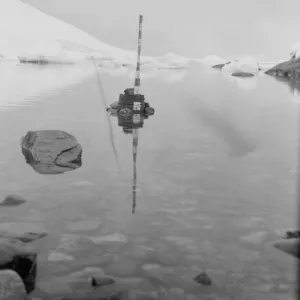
x=134 y=152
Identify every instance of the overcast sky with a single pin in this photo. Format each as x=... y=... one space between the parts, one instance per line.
x=265 y=29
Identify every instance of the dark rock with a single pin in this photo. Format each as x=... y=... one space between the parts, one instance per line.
x=51 y=151
x=242 y=74
x=203 y=279
x=19 y=257
x=101 y=281
x=218 y=66
x=11 y=286
x=289 y=246
x=24 y=232
x=288 y=72
x=293 y=234
x=287 y=69
x=12 y=200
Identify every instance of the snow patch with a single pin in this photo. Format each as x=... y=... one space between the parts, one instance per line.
x=295 y=51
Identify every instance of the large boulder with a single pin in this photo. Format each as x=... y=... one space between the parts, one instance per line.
x=11 y=286
x=51 y=151
x=21 y=258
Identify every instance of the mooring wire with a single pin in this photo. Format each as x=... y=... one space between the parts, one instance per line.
x=107 y=116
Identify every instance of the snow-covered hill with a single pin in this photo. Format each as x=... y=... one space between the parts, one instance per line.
x=27 y=33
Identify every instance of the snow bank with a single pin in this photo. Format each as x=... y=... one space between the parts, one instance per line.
x=295 y=51
x=27 y=33
x=23 y=29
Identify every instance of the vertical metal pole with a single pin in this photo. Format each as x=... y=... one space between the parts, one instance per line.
x=137 y=80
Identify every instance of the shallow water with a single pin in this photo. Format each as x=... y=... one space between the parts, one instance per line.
x=215 y=164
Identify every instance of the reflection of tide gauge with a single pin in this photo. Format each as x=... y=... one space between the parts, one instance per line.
x=135 y=140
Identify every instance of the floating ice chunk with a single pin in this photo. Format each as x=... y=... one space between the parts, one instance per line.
x=171 y=60
x=212 y=60
x=247 y=64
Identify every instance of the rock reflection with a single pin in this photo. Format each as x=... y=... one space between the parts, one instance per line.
x=293 y=84
x=51 y=151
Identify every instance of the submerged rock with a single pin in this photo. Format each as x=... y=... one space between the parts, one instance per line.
x=289 y=246
x=256 y=237
x=83 y=225
x=51 y=151
x=115 y=237
x=57 y=256
x=242 y=74
x=11 y=286
x=24 y=232
x=203 y=279
x=291 y=233
x=19 y=257
x=102 y=280
x=12 y=200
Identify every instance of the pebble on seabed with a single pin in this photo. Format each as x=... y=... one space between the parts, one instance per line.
x=57 y=256
x=101 y=281
x=25 y=232
x=115 y=237
x=203 y=279
x=12 y=200
x=256 y=237
x=83 y=225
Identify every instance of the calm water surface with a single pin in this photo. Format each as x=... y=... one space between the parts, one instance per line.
x=215 y=164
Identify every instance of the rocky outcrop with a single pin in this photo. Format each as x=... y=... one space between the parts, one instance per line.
x=242 y=74
x=51 y=151
x=289 y=69
x=288 y=72
x=19 y=257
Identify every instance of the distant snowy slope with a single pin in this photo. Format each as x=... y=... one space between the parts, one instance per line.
x=26 y=31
